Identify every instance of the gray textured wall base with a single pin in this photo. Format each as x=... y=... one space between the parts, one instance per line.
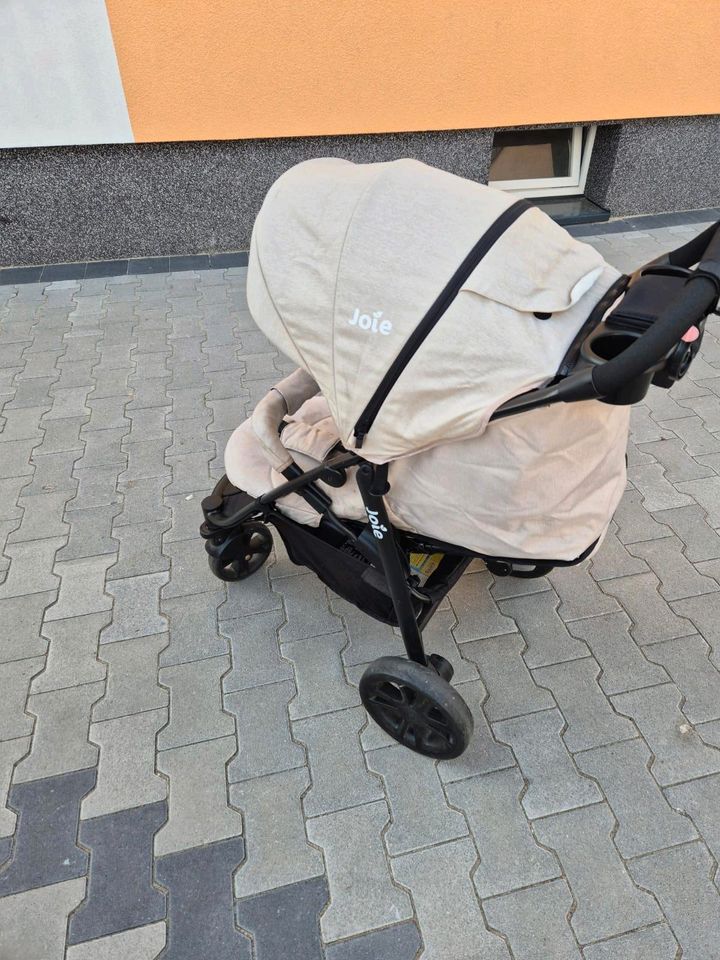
x=100 y=203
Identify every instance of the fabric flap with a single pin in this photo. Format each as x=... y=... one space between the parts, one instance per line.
x=536 y=267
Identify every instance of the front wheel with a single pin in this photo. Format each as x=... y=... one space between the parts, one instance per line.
x=244 y=553
x=417 y=707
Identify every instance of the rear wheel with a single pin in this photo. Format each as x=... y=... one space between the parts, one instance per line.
x=417 y=707
x=243 y=554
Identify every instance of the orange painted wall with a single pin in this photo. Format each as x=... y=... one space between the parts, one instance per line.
x=225 y=69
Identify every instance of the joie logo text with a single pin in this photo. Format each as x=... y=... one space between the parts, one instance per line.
x=378 y=529
x=371 y=321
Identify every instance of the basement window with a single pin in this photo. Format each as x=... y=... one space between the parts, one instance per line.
x=542 y=163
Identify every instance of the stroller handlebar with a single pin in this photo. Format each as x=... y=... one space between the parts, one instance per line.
x=690 y=308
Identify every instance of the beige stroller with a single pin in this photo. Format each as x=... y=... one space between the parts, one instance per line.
x=465 y=372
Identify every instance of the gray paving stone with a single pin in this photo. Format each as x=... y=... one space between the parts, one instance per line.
x=704 y=612
x=678 y=463
x=193 y=625
x=255 y=651
x=31 y=567
x=553 y=781
x=419 y=812
x=143 y=501
x=579 y=594
x=707 y=494
x=645 y=820
x=10 y=752
x=306 y=603
x=265 y=744
x=44 y=849
x=657 y=491
x=476 y=610
x=33 y=923
x=60 y=741
x=401 y=941
x=708 y=406
x=197 y=783
x=339 y=776
x=679 y=753
x=369 y=638
x=546 y=635
x=277 y=849
x=191 y=474
x=196 y=712
x=590 y=719
x=97 y=487
x=652 y=943
x=484 y=753
x=200 y=902
x=614 y=560
x=90 y=533
x=438 y=638
x=41 y=520
x=288 y=915
x=120 y=893
x=145 y=459
x=698 y=441
x=624 y=667
x=698 y=800
x=82 y=588
x=9 y=494
x=68 y=402
x=103 y=449
x=107 y=413
x=253 y=595
x=142 y=943
x=509 y=855
x=511 y=689
x=681 y=879
x=135 y=607
x=148 y=394
x=535 y=922
x=321 y=683
x=191 y=436
x=678 y=577
x=132 y=677
x=643 y=429
x=140 y=547
x=686 y=660
x=190 y=571
x=15 y=677
x=188 y=403
x=445 y=902
x=21 y=618
x=186 y=517
x=607 y=902
x=72 y=653
x=363 y=896
x=653 y=619
x=634 y=523
x=126 y=770
x=21 y=424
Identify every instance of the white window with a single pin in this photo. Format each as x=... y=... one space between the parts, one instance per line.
x=542 y=163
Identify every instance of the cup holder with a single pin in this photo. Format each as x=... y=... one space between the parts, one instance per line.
x=607 y=346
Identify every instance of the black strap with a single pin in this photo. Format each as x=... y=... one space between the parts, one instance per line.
x=439 y=307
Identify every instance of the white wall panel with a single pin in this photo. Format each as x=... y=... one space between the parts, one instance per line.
x=59 y=77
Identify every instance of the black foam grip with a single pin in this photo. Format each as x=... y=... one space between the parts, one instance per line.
x=690 y=307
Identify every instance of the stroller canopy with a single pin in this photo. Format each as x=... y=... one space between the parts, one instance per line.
x=347 y=259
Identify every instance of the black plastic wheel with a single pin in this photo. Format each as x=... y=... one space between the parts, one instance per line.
x=417 y=707
x=244 y=554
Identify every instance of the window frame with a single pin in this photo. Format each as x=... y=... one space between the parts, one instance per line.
x=574 y=184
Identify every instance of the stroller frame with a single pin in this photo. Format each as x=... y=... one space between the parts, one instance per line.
x=612 y=359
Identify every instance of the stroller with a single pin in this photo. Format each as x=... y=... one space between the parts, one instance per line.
x=465 y=375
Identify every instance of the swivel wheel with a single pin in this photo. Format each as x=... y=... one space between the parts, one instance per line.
x=243 y=554
x=416 y=706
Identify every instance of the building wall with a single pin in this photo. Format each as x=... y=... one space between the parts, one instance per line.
x=198 y=70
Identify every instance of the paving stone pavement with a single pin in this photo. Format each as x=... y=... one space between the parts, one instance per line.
x=185 y=769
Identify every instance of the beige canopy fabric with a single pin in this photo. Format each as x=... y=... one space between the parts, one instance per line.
x=345 y=261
